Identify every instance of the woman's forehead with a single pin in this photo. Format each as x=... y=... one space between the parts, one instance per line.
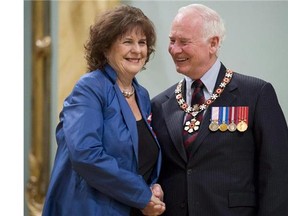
x=135 y=30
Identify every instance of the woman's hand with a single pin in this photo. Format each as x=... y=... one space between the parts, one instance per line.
x=154 y=207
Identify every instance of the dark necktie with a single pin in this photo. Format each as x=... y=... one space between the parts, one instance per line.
x=197 y=98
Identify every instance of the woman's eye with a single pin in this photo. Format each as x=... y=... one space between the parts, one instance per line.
x=127 y=42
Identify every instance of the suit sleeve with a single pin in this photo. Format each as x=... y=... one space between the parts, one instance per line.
x=271 y=136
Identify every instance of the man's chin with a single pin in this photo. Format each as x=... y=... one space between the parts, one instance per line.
x=181 y=71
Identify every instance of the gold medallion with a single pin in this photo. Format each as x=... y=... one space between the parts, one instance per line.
x=213 y=126
x=232 y=127
x=242 y=126
x=223 y=127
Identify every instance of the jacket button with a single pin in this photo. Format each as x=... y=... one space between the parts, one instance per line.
x=189 y=171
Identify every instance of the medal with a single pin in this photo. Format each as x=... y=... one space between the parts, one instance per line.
x=242 y=126
x=223 y=116
x=214 y=119
x=191 y=125
x=232 y=126
x=223 y=127
x=242 y=118
x=214 y=126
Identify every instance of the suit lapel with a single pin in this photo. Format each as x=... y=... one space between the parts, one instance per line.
x=173 y=116
x=225 y=99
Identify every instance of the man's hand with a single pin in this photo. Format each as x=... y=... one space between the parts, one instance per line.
x=157 y=191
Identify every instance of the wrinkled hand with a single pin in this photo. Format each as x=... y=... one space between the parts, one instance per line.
x=155 y=206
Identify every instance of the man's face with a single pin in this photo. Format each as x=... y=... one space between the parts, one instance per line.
x=189 y=50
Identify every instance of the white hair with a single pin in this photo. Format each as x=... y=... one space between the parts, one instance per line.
x=213 y=24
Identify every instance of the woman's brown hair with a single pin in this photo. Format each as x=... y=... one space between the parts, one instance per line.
x=111 y=25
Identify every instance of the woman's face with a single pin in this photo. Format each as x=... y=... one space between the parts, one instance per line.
x=128 y=54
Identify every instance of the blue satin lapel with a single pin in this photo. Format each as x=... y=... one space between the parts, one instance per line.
x=128 y=118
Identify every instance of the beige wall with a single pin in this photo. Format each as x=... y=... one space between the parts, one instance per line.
x=75 y=18
x=70 y=27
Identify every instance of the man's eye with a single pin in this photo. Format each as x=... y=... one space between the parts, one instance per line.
x=172 y=41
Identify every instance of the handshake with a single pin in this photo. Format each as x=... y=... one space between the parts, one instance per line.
x=156 y=206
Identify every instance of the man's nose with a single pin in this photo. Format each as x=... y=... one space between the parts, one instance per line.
x=175 y=49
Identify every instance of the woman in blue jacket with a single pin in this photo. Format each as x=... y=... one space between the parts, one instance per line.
x=108 y=158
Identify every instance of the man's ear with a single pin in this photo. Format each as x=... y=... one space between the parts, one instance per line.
x=214 y=44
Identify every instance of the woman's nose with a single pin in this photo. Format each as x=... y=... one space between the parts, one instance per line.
x=136 y=48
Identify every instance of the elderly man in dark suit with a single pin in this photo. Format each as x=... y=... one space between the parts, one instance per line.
x=225 y=139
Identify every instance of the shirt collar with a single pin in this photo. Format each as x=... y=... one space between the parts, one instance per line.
x=208 y=79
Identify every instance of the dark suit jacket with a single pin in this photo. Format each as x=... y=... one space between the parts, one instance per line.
x=229 y=173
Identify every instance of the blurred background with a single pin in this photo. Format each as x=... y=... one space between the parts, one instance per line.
x=54 y=36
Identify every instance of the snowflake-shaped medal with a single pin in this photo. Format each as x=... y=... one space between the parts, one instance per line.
x=191 y=125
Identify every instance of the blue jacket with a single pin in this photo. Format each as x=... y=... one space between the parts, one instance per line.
x=95 y=169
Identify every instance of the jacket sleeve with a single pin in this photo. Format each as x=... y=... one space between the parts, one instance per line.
x=271 y=136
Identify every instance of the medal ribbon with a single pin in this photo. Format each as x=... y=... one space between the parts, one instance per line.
x=245 y=114
x=231 y=114
x=240 y=114
x=226 y=113
x=223 y=115
x=215 y=114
